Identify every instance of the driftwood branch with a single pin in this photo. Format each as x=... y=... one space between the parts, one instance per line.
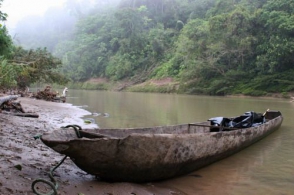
x=32 y=115
x=50 y=95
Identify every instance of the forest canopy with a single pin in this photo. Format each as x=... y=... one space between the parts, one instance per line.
x=212 y=47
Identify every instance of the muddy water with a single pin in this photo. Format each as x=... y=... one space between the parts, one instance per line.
x=266 y=167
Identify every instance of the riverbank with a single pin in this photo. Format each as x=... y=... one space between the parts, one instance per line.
x=164 y=85
x=24 y=159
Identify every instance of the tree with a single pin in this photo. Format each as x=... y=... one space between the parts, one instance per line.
x=8 y=74
x=87 y=54
x=5 y=39
x=37 y=66
x=276 y=39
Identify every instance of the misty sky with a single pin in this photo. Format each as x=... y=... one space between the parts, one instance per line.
x=17 y=9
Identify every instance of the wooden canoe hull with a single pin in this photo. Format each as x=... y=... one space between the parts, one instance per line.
x=142 y=157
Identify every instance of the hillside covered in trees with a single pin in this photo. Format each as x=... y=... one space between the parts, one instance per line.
x=214 y=47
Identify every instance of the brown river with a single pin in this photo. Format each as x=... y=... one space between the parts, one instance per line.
x=267 y=167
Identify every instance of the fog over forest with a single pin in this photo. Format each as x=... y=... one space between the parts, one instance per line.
x=33 y=23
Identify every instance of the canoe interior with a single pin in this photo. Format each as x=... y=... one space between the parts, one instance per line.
x=120 y=133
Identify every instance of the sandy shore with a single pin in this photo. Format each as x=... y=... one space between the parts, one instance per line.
x=24 y=159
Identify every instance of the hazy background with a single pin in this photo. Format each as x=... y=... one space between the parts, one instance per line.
x=19 y=9
x=44 y=23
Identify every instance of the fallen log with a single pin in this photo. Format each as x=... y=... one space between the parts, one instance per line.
x=7 y=98
x=32 y=115
x=7 y=106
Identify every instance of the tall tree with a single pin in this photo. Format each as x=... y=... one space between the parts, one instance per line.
x=5 y=39
x=37 y=66
x=276 y=39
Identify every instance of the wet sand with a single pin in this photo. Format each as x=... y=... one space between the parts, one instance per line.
x=24 y=159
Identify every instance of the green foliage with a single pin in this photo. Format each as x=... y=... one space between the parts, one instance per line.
x=87 y=85
x=285 y=95
x=5 y=41
x=3 y=16
x=153 y=88
x=229 y=39
x=271 y=83
x=115 y=44
x=38 y=66
x=252 y=92
x=9 y=74
x=94 y=86
x=20 y=68
x=276 y=47
x=120 y=67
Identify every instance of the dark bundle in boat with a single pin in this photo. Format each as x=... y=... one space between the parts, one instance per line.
x=156 y=153
x=248 y=119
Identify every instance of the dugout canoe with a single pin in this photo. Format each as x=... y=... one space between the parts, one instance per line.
x=157 y=153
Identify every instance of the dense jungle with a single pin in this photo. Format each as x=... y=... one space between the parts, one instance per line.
x=211 y=47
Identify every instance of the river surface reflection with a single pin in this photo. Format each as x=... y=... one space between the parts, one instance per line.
x=266 y=167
